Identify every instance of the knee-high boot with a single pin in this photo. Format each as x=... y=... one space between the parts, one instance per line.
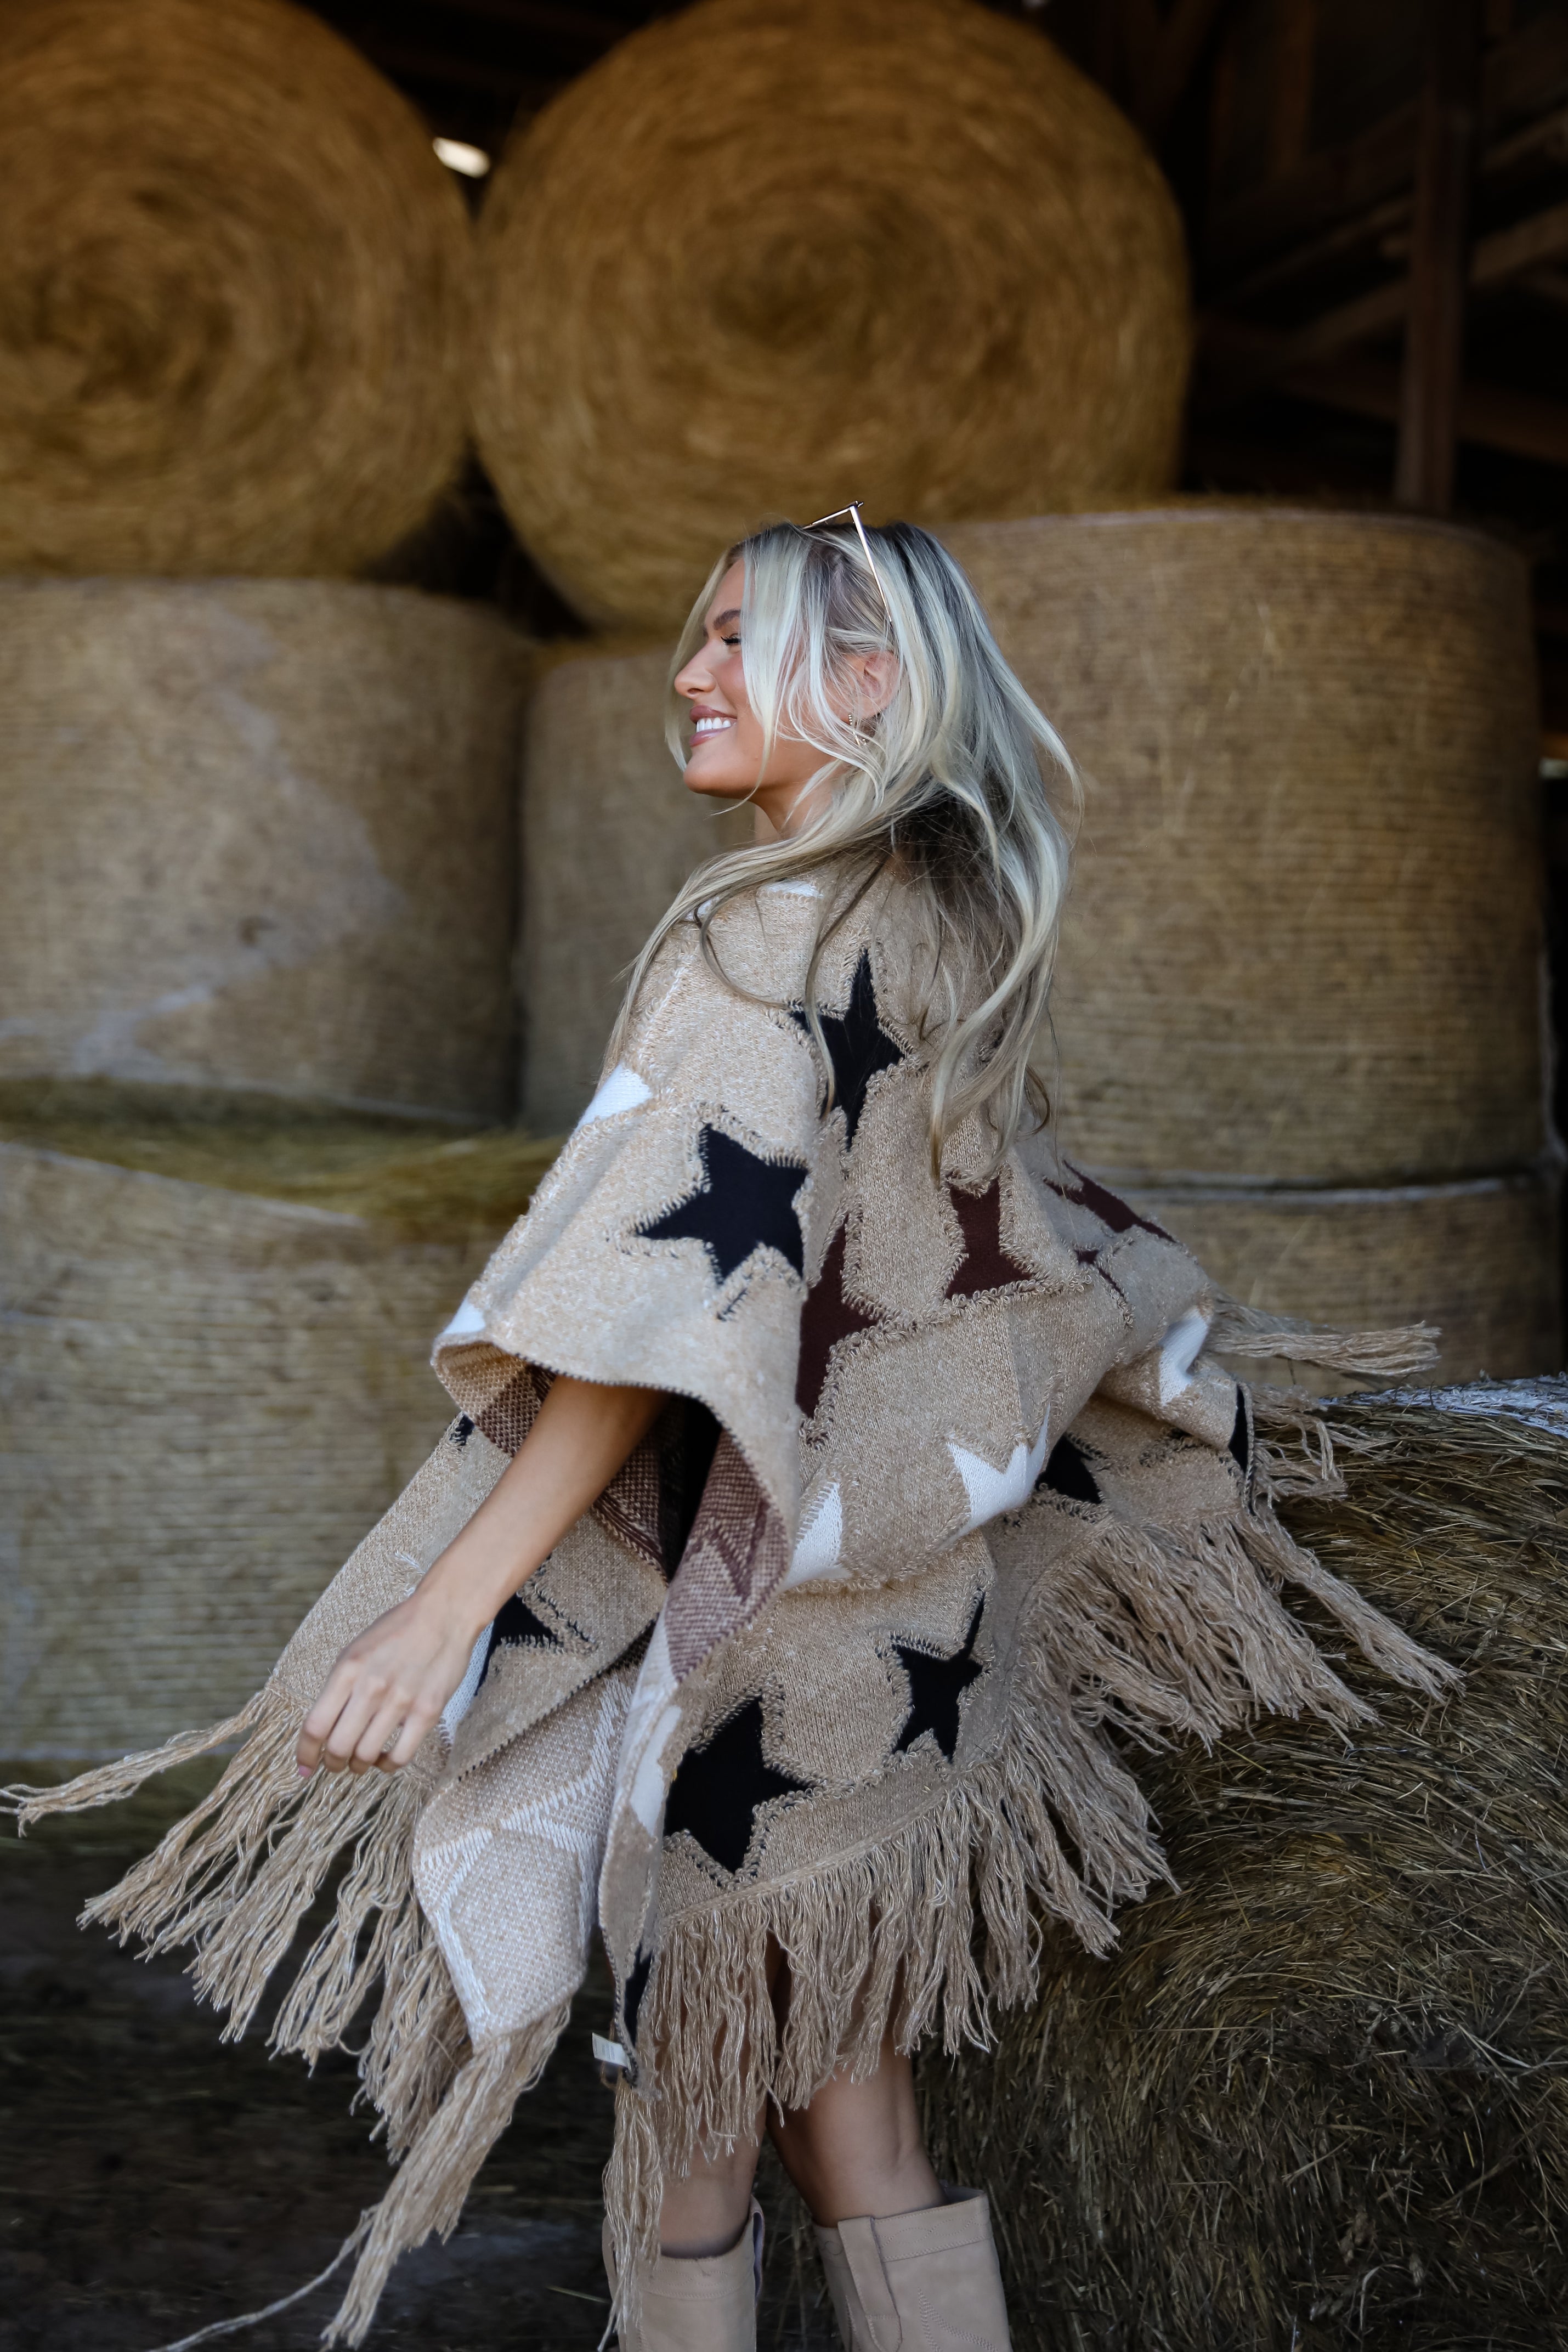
x=921 y=2282
x=705 y=2302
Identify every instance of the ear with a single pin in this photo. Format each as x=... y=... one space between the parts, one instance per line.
x=878 y=675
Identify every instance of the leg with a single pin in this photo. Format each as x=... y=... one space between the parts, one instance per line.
x=705 y=2213
x=907 y=2261
x=858 y=2148
x=700 y=2295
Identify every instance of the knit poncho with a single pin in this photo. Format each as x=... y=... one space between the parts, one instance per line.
x=949 y=1496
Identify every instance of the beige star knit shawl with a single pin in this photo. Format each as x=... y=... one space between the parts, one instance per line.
x=949 y=1503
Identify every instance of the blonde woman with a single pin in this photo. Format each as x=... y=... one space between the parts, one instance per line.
x=836 y=1469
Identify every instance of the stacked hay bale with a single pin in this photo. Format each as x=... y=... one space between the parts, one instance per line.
x=257 y=832
x=219 y=1309
x=234 y=287
x=1298 y=1004
x=254 y=834
x=960 y=289
x=1319 y=2094
x=609 y=834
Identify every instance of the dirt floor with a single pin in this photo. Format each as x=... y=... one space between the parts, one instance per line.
x=153 y=2182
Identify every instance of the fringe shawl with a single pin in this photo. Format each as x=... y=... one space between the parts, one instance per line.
x=979 y=1426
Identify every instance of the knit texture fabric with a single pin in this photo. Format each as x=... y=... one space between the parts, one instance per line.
x=951 y=1498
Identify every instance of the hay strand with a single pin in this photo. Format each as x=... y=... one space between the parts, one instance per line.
x=234 y=290
x=959 y=288
x=1319 y=2094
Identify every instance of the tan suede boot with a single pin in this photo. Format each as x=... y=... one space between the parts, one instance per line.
x=702 y=2304
x=923 y=2282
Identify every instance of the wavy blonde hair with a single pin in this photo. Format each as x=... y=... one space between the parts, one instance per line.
x=960 y=784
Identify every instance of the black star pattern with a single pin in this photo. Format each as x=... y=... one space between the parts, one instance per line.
x=744 y=1203
x=637 y=1978
x=935 y=1686
x=1069 y=1474
x=718 y=1789
x=462 y=1430
x=859 y=1047
x=515 y=1622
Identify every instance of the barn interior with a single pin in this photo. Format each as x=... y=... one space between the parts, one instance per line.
x=334 y=802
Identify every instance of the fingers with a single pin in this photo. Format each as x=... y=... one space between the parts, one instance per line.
x=319 y=1723
x=378 y=1735
x=384 y=1695
x=354 y=1708
x=416 y=1723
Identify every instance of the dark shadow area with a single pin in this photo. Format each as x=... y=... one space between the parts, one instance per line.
x=154 y=2181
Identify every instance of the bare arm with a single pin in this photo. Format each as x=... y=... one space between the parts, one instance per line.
x=398 y=1674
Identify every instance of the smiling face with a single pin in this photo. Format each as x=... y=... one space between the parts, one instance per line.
x=725 y=756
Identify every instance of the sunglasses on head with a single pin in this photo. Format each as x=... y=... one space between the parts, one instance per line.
x=853 y=512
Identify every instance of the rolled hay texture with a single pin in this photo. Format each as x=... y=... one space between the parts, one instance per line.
x=1302 y=943
x=912 y=256
x=235 y=290
x=217 y=1313
x=260 y=834
x=1478 y=1259
x=610 y=833
x=1319 y=2095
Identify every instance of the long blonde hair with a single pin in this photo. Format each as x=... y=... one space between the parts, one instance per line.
x=960 y=780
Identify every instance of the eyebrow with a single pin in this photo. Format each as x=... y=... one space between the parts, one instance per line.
x=719 y=619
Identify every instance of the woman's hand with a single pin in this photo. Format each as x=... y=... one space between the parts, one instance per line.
x=388 y=1686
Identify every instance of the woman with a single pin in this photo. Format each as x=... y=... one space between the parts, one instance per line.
x=835 y=1468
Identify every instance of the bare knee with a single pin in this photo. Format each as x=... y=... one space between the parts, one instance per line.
x=704 y=2211
x=858 y=2147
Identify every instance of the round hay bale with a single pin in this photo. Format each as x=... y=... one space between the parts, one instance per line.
x=1478 y=1259
x=609 y=834
x=218 y=1313
x=234 y=294
x=1319 y=2093
x=258 y=832
x=1304 y=937
x=758 y=261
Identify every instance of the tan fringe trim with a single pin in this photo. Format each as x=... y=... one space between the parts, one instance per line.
x=439 y=2169
x=240 y=1873
x=633 y=2201
x=418 y=2039
x=1157 y=1633
x=107 y=1783
x=1394 y=1355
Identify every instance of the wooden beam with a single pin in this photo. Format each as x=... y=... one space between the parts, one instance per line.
x=1521 y=77
x=1435 y=330
x=1520 y=423
x=1380 y=225
x=1247 y=357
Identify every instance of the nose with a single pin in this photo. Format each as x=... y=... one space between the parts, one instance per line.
x=695 y=679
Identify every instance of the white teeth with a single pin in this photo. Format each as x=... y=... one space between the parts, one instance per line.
x=712 y=726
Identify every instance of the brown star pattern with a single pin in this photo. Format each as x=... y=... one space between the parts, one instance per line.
x=985 y=1265
x=829 y=1315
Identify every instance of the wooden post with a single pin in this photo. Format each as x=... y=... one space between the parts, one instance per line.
x=1433 y=339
